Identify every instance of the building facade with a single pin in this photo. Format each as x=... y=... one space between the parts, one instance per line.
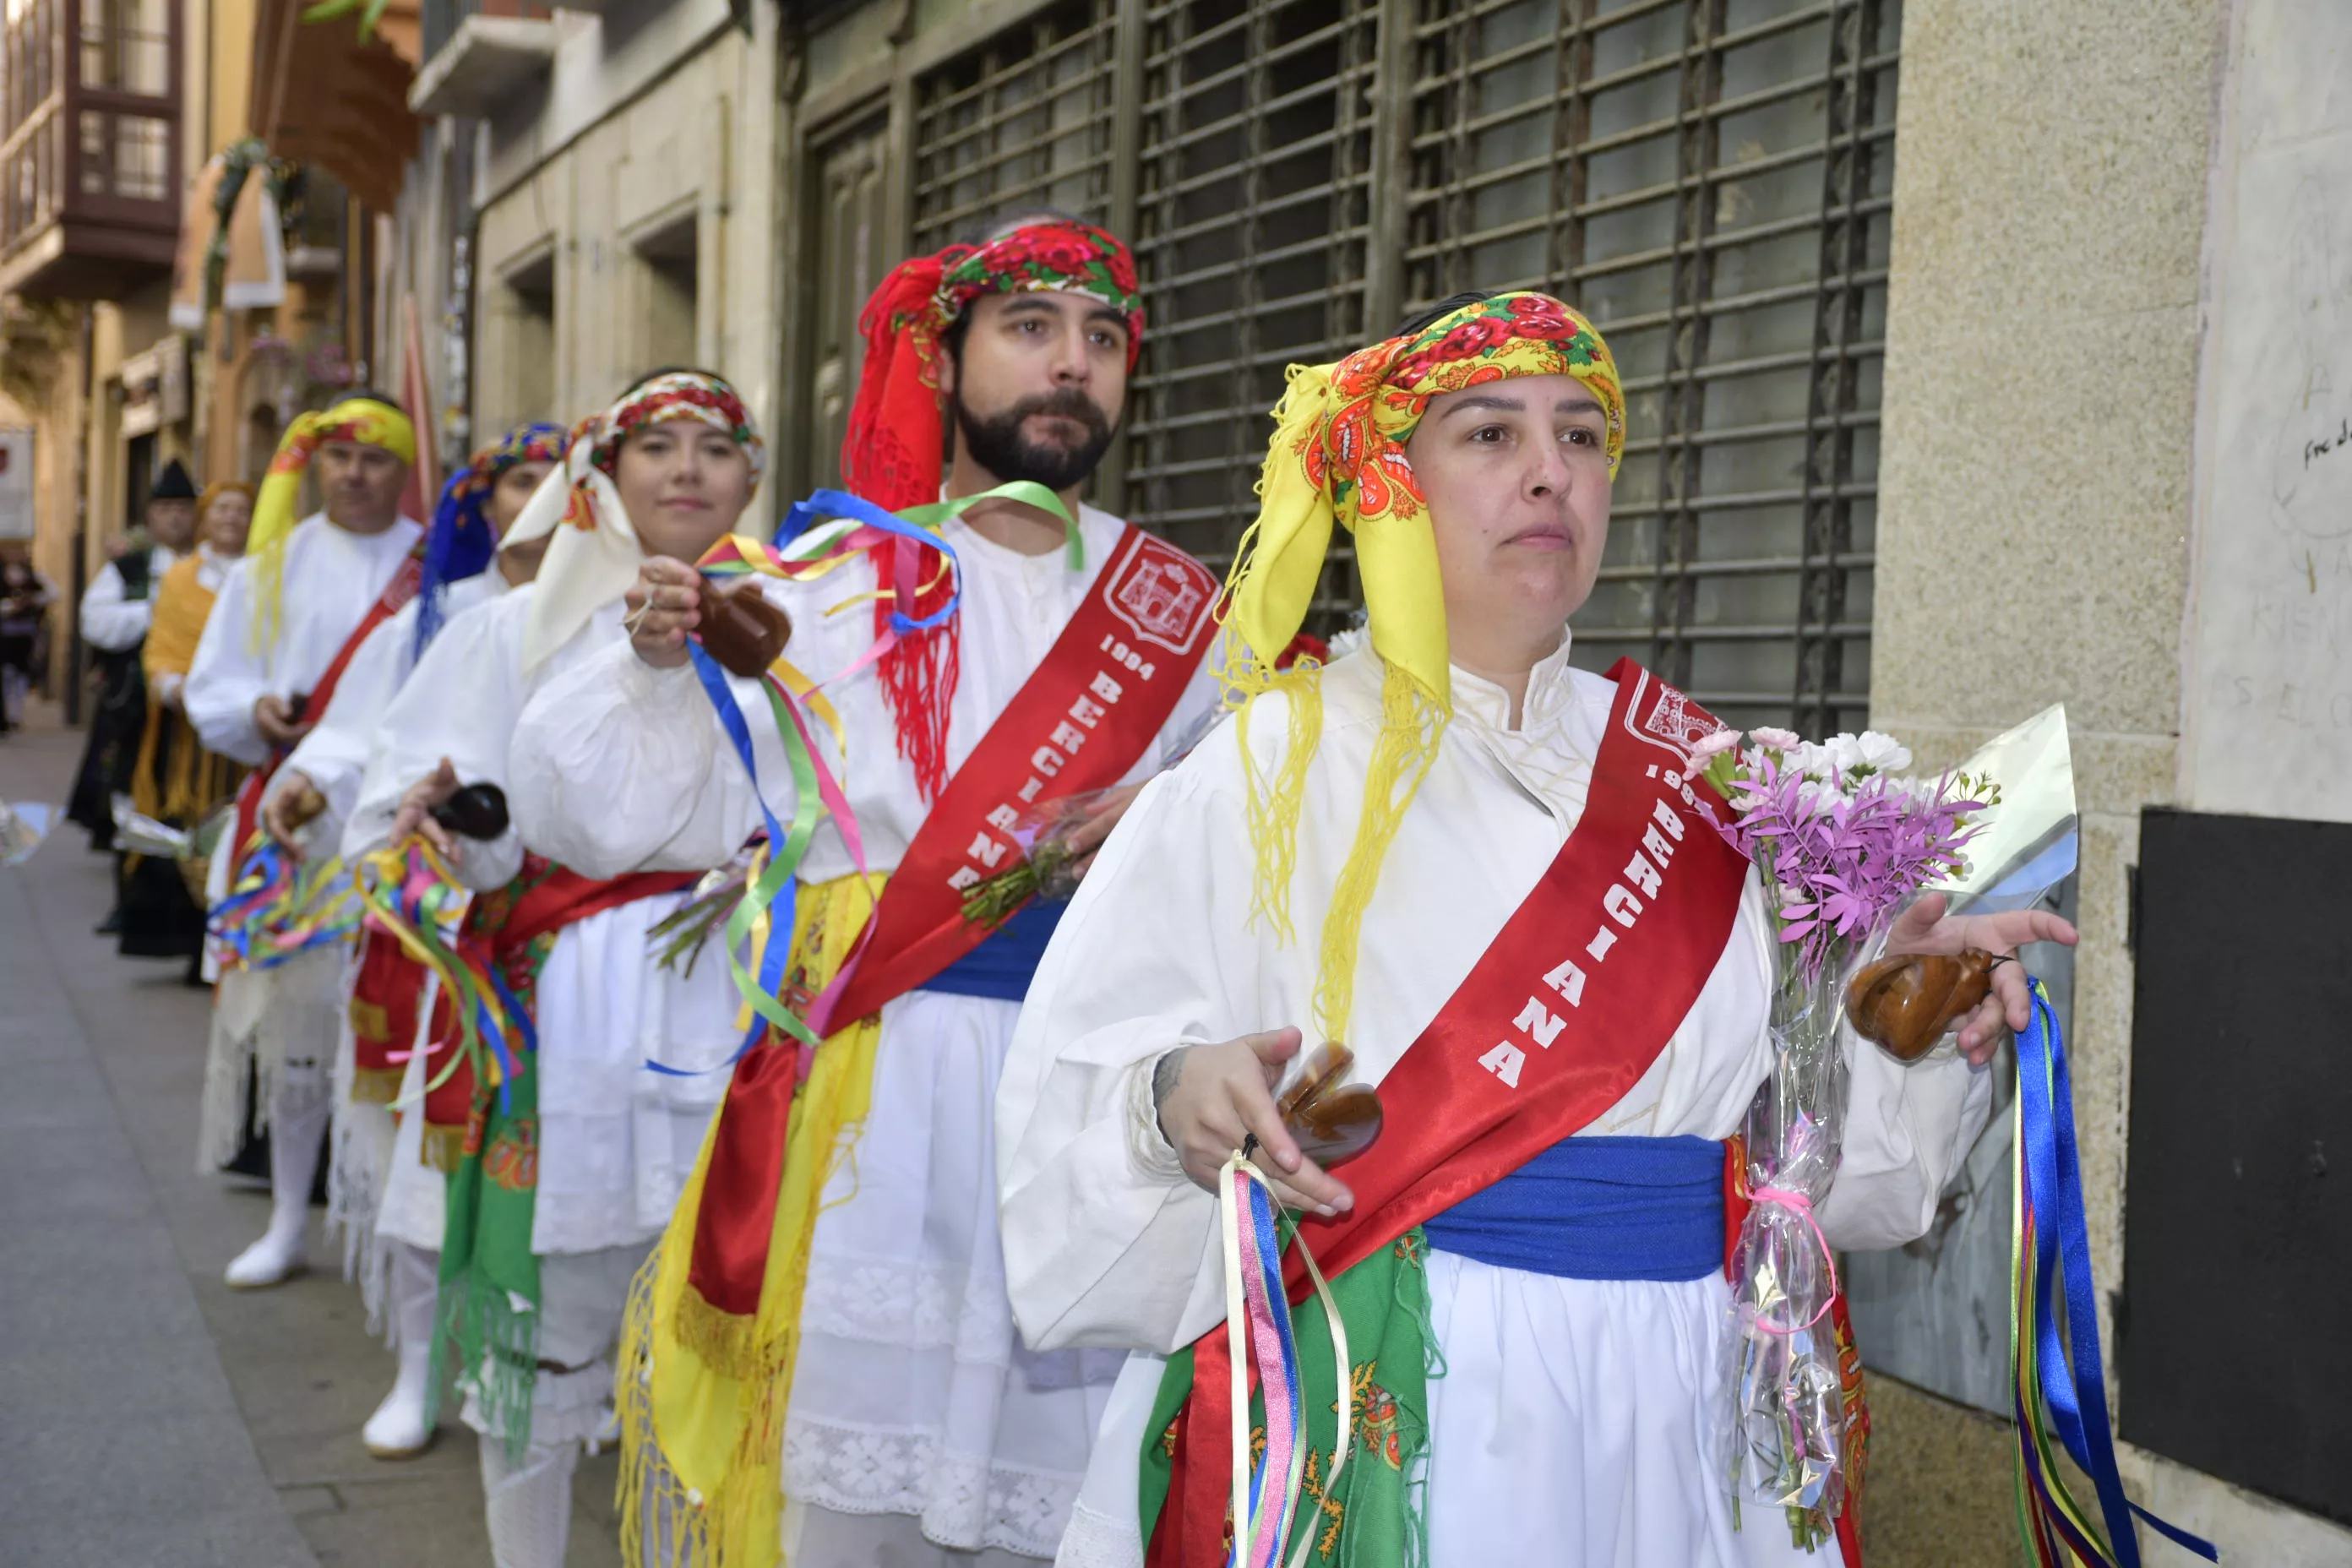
x=1979 y=355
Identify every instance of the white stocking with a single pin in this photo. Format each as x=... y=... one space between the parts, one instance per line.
x=528 y=1506
x=299 y=1107
x=398 y=1429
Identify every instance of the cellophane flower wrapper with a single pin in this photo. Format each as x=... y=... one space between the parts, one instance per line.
x=679 y=936
x=1048 y=868
x=1840 y=844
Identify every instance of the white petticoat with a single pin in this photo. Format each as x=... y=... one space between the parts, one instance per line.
x=1574 y=1425
x=913 y=1393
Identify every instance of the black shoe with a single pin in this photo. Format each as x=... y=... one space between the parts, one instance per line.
x=111 y=926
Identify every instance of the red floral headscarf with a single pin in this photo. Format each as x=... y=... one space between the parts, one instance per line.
x=896 y=444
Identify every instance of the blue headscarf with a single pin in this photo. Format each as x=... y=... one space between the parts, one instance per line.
x=461 y=543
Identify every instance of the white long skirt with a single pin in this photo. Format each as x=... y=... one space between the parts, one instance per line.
x=913 y=1393
x=1574 y=1425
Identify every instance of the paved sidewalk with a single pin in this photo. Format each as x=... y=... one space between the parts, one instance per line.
x=148 y=1414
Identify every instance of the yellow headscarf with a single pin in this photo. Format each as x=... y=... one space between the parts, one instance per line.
x=359 y=419
x=1338 y=455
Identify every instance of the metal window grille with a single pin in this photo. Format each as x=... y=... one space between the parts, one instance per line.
x=1252 y=223
x=1710 y=179
x=1027 y=117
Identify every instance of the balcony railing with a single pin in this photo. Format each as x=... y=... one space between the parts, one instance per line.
x=89 y=97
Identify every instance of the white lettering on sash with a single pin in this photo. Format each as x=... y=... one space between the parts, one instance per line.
x=1650 y=865
x=1540 y=1023
x=1070 y=731
x=1642 y=874
x=1505 y=1062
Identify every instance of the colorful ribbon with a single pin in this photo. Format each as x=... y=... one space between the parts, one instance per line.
x=1257 y=1317
x=2050 y=1244
x=821 y=533
x=410 y=893
x=280 y=906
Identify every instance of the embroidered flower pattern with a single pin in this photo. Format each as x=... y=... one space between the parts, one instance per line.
x=1378 y=395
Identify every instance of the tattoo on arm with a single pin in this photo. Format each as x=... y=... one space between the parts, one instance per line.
x=1164 y=1074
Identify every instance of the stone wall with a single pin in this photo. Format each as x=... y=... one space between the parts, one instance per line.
x=2038 y=483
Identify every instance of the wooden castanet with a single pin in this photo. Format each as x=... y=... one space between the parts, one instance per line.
x=1334 y=1121
x=478 y=811
x=741 y=628
x=303 y=803
x=1906 y=1002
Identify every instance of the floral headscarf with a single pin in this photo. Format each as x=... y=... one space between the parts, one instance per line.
x=359 y=419
x=895 y=443
x=460 y=542
x=596 y=553
x=1337 y=455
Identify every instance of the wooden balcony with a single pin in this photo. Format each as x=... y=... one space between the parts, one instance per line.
x=89 y=204
x=324 y=95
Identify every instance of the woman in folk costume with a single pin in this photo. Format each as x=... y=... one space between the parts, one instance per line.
x=461 y=566
x=290 y=619
x=561 y=1177
x=827 y=1363
x=1540 y=1389
x=176 y=780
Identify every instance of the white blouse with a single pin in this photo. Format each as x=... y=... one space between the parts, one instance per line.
x=334 y=577
x=619 y=766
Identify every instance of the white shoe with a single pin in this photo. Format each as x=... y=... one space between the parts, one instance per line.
x=397 y=1429
x=267 y=1262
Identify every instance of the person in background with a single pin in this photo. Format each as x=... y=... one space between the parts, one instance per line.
x=292 y=614
x=115 y=611
x=175 y=780
x=463 y=567
x=560 y=1179
x=25 y=598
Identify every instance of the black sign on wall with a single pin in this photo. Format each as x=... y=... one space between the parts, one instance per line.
x=2235 y=1327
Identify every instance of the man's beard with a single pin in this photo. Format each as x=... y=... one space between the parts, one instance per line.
x=997 y=444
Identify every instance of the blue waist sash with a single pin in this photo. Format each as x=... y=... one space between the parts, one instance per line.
x=1598 y=1208
x=1002 y=966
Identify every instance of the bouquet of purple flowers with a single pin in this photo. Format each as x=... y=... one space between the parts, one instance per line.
x=1841 y=843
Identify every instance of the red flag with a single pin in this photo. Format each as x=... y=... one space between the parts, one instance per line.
x=416 y=397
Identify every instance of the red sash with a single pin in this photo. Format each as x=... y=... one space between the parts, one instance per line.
x=503 y=927
x=386 y=994
x=1568 y=1007
x=396 y=592
x=1105 y=690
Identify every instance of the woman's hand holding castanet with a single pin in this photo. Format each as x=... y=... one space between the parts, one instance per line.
x=662 y=608
x=1213 y=1098
x=1925 y=928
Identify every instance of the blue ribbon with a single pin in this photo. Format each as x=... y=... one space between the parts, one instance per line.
x=780 y=915
x=805 y=515
x=2061 y=1239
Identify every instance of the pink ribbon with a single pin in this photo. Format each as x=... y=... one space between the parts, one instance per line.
x=1802 y=1207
